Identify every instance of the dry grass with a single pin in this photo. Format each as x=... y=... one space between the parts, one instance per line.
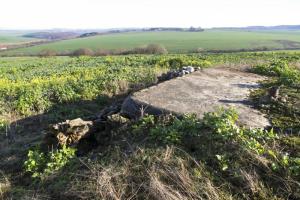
x=162 y=176
x=255 y=186
x=174 y=184
x=105 y=184
x=172 y=179
x=4 y=185
x=123 y=86
x=297 y=65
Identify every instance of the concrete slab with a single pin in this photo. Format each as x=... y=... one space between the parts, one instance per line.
x=200 y=92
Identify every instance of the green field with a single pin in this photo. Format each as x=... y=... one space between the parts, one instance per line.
x=176 y=42
x=12 y=38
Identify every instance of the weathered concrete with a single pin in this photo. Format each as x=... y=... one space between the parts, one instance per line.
x=200 y=92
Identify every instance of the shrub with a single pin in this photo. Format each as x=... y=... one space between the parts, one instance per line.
x=286 y=75
x=149 y=49
x=199 y=50
x=83 y=52
x=47 y=53
x=156 y=49
x=276 y=68
x=176 y=62
x=102 y=52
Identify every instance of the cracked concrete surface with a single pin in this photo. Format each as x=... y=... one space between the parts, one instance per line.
x=200 y=92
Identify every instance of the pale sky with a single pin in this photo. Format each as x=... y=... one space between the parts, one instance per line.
x=46 y=14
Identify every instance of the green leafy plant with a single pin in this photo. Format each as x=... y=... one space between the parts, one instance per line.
x=223 y=162
x=35 y=163
x=280 y=68
x=144 y=123
x=223 y=123
x=275 y=68
x=4 y=125
x=173 y=130
x=42 y=164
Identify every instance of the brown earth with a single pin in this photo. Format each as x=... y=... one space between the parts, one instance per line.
x=200 y=92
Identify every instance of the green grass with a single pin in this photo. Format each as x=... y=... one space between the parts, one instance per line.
x=284 y=115
x=174 y=41
x=12 y=38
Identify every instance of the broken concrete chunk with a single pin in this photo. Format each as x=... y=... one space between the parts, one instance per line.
x=190 y=69
x=69 y=132
x=116 y=120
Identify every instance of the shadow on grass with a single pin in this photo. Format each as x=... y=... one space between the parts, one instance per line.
x=28 y=133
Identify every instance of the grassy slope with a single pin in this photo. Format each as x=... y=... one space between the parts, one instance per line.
x=151 y=171
x=12 y=38
x=174 y=41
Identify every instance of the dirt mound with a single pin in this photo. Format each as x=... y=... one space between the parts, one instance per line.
x=199 y=93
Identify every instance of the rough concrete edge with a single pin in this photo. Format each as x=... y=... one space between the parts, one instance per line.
x=134 y=109
x=160 y=83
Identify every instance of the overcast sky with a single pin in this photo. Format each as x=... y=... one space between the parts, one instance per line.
x=45 y=14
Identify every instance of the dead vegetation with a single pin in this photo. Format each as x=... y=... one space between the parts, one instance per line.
x=148 y=49
x=134 y=165
x=163 y=175
x=4 y=185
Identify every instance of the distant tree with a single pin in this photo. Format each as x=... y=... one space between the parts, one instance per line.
x=198 y=50
x=149 y=49
x=47 y=53
x=193 y=29
x=102 y=52
x=89 y=34
x=156 y=49
x=83 y=52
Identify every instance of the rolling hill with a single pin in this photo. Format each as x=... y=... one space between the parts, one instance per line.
x=7 y=38
x=175 y=42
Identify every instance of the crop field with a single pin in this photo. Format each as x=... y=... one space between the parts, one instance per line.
x=151 y=157
x=31 y=85
x=176 y=42
x=12 y=38
x=35 y=84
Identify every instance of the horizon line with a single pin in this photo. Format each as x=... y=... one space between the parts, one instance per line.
x=215 y=27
